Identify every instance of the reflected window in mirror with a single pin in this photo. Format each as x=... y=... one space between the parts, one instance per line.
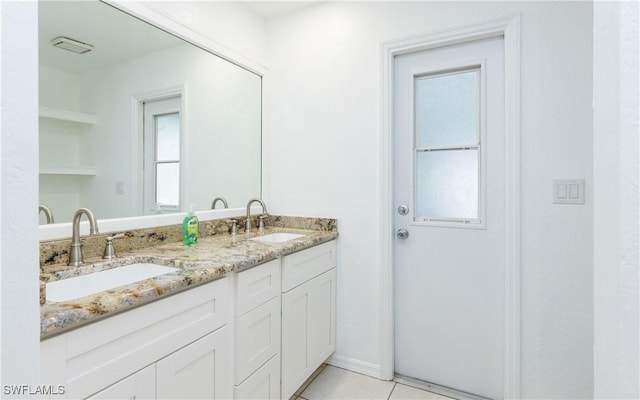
x=162 y=167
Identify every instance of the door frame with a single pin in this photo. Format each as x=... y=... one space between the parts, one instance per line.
x=509 y=28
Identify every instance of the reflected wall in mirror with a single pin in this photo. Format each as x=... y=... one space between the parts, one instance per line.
x=92 y=109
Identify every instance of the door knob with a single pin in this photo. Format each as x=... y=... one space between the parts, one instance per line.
x=402 y=234
x=403 y=210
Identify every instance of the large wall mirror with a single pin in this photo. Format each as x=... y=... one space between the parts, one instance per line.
x=143 y=123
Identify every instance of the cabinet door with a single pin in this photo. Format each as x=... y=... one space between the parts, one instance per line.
x=257 y=338
x=197 y=371
x=264 y=384
x=321 y=335
x=141 y=385
x=308 y=329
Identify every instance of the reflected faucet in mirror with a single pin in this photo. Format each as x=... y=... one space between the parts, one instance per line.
x=217 y=199
x=47 y=213
x=265 y=213
x=76 y=257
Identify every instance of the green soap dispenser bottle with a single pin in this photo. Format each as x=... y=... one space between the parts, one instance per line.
x=190 y=226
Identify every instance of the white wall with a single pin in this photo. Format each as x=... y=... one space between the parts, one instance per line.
x=19 y=311
x=616 y=201
x=324 y=114
x=230 y=24
x=52 y=82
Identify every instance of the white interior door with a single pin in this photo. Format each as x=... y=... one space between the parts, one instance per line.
x=449 y=190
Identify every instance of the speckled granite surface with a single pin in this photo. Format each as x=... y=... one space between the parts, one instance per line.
x=57 y=251
x=215 y=255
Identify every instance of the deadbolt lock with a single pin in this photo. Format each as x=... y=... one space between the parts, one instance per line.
x=403 y=210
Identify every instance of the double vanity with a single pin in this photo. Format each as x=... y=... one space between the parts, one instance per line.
x=249 y=315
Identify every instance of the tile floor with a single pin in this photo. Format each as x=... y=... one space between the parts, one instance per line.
x=330 y=382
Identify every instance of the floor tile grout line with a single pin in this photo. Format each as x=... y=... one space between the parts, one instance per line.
x=305 y=385
x=350 y=371
x=423 y=389
x=392 y=389
x=359 y=373
x=322 y=368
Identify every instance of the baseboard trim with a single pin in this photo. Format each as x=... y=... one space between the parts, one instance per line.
x=352 y=364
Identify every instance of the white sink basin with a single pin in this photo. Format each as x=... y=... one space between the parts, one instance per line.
x=277 y=237
x=85 y=285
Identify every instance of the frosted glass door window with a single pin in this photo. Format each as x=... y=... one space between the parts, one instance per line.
x=168 y=159
x=447 y=146
x=168 y=137
x=168 y=185
x=447 y=110
x=447 y=184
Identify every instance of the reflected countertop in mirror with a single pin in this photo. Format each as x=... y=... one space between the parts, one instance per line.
x=96 y=106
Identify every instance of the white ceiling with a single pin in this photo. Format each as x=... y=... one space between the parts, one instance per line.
x=270 y=9
x=97 y=24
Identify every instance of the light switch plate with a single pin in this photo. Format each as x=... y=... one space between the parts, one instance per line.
x=568 y=191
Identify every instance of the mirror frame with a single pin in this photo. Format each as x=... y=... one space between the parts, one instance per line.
x=160 y=21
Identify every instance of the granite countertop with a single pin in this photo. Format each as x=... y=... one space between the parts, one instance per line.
x=210 y=259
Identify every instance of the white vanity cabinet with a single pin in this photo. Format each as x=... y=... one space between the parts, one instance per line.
x=257 y=332
x=174 y=347
x=308 y=313
x=284 y=322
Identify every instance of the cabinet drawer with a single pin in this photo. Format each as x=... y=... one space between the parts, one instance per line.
x=264 y=384
x=256 y=286
x=299 y=267
x=257 y=338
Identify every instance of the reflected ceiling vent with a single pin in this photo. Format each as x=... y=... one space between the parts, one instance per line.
x=71 y=45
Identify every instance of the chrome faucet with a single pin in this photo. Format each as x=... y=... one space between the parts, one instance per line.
x=222 y=199
x=247 y=226
x=47 y=213
x=75 y=253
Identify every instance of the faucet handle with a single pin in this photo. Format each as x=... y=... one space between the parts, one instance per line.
x=261 y=222
x=234 y=226
x=109 y=250
x=116 y=236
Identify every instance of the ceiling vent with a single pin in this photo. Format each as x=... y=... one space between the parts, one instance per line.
x=71 y=45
